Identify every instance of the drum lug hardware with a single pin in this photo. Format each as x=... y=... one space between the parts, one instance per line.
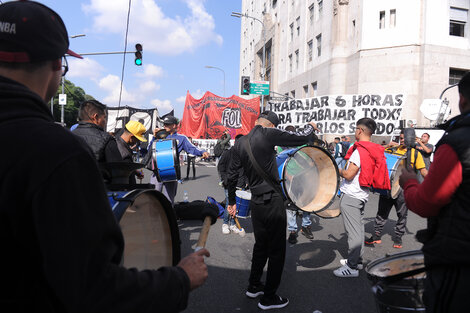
x=115 y=198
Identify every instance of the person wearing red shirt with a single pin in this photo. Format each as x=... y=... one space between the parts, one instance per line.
x=444 y=198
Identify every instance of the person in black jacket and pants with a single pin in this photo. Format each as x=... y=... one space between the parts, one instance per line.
x=268 y=212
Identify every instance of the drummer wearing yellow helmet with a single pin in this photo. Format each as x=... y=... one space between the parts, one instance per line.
x=386 y=202
x=131 y=135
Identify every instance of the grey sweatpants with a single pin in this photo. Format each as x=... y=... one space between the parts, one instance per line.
x=352 y=211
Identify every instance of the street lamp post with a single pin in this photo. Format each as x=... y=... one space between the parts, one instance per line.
x=240 y=15
x=214 y=67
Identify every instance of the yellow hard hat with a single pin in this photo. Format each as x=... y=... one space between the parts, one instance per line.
x=137 y=129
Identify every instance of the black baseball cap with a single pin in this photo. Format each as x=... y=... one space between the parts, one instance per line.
x=31 y=32
x=270 y=116
x=168 y=120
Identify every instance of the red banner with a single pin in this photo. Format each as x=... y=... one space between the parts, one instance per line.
x=210 y=116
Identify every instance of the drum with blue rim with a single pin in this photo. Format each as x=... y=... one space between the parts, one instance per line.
x=395 y=164
x=166 y=157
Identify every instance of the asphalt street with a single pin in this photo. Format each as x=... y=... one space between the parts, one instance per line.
x=308 y=281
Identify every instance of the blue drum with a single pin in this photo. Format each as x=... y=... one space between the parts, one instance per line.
x=166 y=157
x=395 y=165
x=309 y=179
x=243 y=198
x=149 y=226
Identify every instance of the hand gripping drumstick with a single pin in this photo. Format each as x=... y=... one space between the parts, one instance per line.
x=209 y=214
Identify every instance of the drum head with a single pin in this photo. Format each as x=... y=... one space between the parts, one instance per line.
x=331 y=211
x=397 y=264
x=310 y=179
x=150 y=232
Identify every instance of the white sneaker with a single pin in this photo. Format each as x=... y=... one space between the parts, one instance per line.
x=360 y=266
x=234 y=229
x=225 y=229
x=346 y=271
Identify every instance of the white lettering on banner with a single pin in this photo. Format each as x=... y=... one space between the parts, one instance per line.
x=338 y=114
x=209 y=144
x=232 y=118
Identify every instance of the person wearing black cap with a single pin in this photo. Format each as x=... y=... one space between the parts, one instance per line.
x=61 y=244
x=170 y=125
x=268 y=212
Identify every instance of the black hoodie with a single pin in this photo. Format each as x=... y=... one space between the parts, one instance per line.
x=61 y=245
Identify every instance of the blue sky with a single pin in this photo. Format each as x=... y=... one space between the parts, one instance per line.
x=179 y=38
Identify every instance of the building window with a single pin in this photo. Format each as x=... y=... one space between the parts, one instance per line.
x=320 y=7
x=458 y=19
x=290 y=63
x=298 y=25
x=455 y=75
x=393 y=18
x=319 y=45
x=313 y=90
x=291 y=31
x=310 y=50
x=311 y=14
x=292 y=94
x=382 y=20
x=297 y=59
x=305 y=91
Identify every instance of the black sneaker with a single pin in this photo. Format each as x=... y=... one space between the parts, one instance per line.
x=373 y=239
x=254 y=291
x=307 y=232
x=397 y=243
x=274 y=302
x=292 y=238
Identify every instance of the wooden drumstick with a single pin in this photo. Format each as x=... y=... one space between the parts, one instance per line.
x=241 y=230
x=201 y=243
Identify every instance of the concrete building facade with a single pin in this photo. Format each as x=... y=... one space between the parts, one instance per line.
x=320 y=47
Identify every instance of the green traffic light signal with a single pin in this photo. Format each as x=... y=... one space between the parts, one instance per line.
x=138 y=54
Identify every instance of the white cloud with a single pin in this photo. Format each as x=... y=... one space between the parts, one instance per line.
x=112 y=84
x=198 y=94
x=84 y=68
x=151 y=71
x=162 y=105
x=181 y=99
x=150 y=26
x=149 y=87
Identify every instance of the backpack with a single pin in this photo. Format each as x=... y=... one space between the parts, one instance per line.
x=218 y=150
x=344 y=148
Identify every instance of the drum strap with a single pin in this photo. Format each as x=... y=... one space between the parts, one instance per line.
x=267 y=178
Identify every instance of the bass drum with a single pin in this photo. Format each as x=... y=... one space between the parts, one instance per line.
x=149 y=227
x=310 y=179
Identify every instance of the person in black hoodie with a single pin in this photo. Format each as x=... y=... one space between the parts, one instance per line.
x=61 y=245
x=268 y=212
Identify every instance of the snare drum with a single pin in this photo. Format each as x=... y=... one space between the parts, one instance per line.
x=166 y=157
x=398 y=293
x=149 y=227
x=309 y=178
x=243 y=203
x=395 y=165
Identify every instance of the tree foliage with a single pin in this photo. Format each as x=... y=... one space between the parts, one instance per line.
x=75 y=96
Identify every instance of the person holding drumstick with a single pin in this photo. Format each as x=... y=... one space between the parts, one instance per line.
x=443 y=197
x=61 y=244
x=268 y=212
x=170 y=124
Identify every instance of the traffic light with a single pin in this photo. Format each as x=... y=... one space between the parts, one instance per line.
x=138 y=54
x=245 y=85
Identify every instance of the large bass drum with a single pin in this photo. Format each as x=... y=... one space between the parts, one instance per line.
x=310 y=179
x=149 y=226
